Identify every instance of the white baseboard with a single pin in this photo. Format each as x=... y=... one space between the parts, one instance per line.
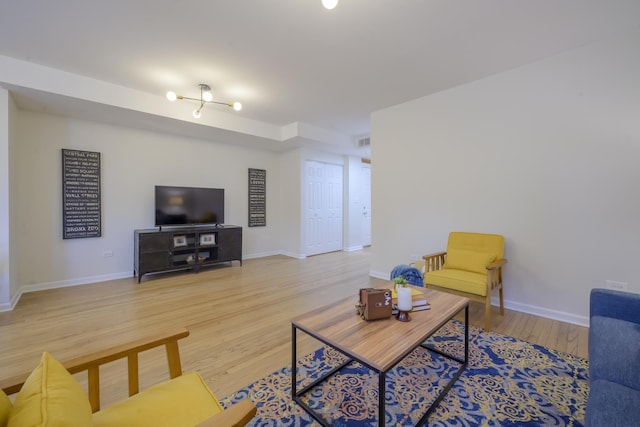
x=74 y=282
x=93 y=279
x=511 y=305
x=292 y=255
x=523 y=308
x=379 y=275
x=11 y=304
x=60 y=284
x=260 y=255
x=544 y=312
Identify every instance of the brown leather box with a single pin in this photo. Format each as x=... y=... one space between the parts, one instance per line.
x=375 y=303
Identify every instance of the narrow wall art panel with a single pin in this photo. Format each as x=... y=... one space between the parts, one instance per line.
x=81 y=199
x=257 y=197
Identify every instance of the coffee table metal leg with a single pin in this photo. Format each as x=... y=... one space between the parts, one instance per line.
x=463 y=365
x=466 y=335
x=381 y=395
x=294 y=362
x=295 y=394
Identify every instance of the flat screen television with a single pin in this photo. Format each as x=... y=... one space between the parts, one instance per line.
x=188 y=206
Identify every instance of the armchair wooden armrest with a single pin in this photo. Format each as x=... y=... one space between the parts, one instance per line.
x=236 y=416
x=12 y=385
x=434 y=261
x=497 y=263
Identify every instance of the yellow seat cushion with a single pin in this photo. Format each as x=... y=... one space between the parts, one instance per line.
x=5 y=408
x=183 y=401
x=476 y=262
x=459 y=280
x=50 y=397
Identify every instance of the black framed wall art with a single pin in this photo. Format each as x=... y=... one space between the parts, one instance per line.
x=81 y=198
x=257 y=197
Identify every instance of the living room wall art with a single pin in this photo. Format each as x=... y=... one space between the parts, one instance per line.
x=257 y=197
x=81 y=199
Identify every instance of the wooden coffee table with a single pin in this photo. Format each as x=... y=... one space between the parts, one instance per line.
x=379 y=344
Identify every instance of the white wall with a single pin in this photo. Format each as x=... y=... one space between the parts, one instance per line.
x=4 y=200
x=289 y=193
x=546 y=154
x=133 y=161
x=13 y=208
x=353 y=204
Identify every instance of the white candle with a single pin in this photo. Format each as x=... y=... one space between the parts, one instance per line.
x=404 y=299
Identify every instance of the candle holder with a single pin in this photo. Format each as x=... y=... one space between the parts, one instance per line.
x=403 y=316
x=404 y=304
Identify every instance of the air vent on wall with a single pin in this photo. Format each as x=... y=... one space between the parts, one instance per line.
x=364 y=142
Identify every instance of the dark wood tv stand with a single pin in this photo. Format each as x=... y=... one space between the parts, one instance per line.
x=177 y=248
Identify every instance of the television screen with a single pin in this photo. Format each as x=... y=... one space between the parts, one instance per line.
x=189 y=205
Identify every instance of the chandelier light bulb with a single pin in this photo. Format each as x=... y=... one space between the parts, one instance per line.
x=206 y=96
x=329 y=4
x=171 y=96
x=237 y=106
x=196 y=113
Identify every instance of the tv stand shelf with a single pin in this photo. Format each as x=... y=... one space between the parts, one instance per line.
x=158 y=250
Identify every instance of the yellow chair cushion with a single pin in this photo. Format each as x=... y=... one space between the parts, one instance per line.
x=476 y=262
x=183 y=401
x=459 y=280
x=50 y=397
x=5 y=408
x=477 y=242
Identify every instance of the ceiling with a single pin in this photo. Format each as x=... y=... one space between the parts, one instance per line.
x=291 y=63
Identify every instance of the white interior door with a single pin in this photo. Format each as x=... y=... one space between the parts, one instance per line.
x=324 y=188
x=366 y=205
x=313 y=213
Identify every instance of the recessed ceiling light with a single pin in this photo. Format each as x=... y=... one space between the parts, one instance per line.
x=329 y=4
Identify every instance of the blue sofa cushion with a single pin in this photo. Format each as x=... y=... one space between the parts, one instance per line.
x=612 y=405
x=614 y=351
x=615 y=304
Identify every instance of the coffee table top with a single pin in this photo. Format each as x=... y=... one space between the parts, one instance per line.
x=378 y=343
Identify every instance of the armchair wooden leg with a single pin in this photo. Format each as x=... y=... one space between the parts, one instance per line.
x=501 y=303
x=487 y=313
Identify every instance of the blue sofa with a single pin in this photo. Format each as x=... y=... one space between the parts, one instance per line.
x=614 y=359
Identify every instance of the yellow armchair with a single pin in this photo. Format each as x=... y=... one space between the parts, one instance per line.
x=471 y=266
x=50 y=395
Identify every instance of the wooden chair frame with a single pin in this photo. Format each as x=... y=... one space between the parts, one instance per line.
x=238 y=415
x=435 y=261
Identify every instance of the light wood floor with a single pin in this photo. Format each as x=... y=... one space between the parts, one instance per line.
x=239 y=318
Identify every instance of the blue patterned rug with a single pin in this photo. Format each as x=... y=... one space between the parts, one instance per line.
x=508 y=382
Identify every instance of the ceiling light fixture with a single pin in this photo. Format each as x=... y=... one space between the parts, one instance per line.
x=205 y=98
x=329 y=4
